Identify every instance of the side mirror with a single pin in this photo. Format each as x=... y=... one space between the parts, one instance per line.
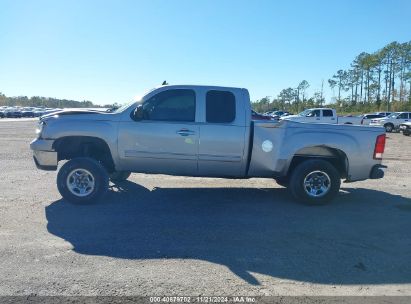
x=138 y=113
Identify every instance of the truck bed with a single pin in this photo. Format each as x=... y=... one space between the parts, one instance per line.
x=304 y=139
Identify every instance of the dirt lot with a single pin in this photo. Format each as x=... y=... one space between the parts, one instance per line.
x=162 y=235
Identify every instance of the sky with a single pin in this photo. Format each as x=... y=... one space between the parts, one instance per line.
x=114 y=51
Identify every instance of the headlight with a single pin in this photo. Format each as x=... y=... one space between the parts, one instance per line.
x=40 y=127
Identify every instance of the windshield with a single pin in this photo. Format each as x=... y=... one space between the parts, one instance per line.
x=124 y=106
x=137 y=101
x=304 y=113
x=393 y=115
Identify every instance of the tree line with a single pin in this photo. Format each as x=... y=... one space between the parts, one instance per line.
x=379 y=81
x=46 y=102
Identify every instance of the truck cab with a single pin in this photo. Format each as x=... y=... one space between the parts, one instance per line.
x=163 y=132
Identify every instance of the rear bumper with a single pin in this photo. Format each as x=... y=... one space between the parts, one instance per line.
x=377 y=171
x=44 y=156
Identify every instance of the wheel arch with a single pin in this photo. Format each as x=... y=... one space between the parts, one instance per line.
x=389 y=124
x=69 y=147
x=334 y=156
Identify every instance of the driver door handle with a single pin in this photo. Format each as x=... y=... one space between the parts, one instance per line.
x=185 y=132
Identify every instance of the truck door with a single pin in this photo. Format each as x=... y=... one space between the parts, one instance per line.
x=223 y=133
x=313 y=116
x=328 y=116
x=166 y=139
x=403 y=117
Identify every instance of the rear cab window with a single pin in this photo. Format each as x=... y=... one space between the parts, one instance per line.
x=403 y=116
x=220 y=107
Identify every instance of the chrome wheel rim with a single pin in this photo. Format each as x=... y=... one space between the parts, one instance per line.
x=80 y=182
x=317 y=184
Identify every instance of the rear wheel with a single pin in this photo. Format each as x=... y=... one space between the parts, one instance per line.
x=315 y=182
x=82 y=180
x=119 y=176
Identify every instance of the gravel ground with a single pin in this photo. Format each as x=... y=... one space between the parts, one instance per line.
x=163 y=235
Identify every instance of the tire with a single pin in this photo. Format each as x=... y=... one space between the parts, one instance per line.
x=389 y=127
x=119 y=176
x=324 y=176
x=92 y=180
x=282 y=181
x=406 y=133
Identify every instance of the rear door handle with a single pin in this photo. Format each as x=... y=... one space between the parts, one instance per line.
x=185 y=132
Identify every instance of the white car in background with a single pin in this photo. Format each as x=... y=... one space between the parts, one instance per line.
x=323 y=115
x=367 y=118
x=392 y=122
x=383 y=113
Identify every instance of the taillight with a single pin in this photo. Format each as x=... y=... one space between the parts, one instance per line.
x=379 y=146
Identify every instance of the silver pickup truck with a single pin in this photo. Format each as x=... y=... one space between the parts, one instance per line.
x=202 y=131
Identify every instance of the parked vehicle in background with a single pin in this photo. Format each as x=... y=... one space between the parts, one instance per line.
x=392 y=122
x=13 y=113
x=27 y=112
x=405 y=128
x=383 y=113
x=39 y=112
x=366 y=118
x=286 y=114
x=323 y=115
x=278 y=114
x=258 y=116
x=3 y=111
x=204 y=131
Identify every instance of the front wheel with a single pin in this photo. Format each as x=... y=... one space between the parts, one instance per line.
x=389 y=128
x=82 y=180
x=315 y=182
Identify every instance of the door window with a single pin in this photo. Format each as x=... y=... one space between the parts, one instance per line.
x=403 y=116
x=327 y=113
x=314 y=113
x=171 y=105
x=220 y=107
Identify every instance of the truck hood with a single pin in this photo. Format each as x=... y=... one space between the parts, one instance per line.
x=78 y=114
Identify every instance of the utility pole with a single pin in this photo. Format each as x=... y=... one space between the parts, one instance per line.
x=322 y=89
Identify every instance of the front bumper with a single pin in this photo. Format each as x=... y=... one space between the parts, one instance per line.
x=44 y=156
